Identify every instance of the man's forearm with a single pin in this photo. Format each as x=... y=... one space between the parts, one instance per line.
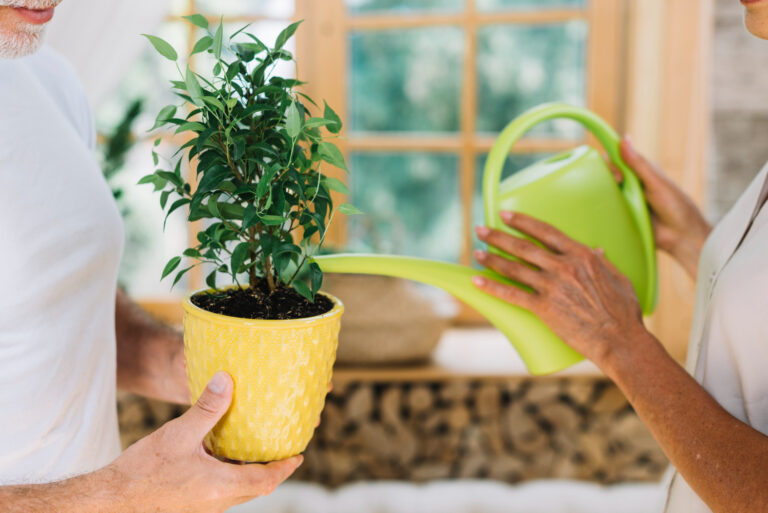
x=721 y=458
x=98 y=492
x=150 y=357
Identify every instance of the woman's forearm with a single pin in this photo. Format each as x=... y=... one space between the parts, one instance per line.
x=721 y=458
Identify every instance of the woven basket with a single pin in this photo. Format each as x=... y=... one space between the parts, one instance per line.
x=386 y=320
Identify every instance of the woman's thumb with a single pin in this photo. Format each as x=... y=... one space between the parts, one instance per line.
x=209 y=408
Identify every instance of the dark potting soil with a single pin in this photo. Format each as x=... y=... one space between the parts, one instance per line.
x=284 y=303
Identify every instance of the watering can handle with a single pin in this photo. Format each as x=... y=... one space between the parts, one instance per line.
x=631 y=188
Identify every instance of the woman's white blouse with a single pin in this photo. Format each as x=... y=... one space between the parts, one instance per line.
x=728 y=348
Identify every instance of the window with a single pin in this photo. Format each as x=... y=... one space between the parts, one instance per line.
x=425 y=86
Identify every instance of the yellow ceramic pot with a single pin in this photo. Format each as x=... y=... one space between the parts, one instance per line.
x=281 y=370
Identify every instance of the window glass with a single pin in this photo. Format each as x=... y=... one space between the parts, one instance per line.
x=411 y=203
x=269 y=8
x=148 y=248
x=521 y=66
x=405 y=80
x=147 y=79
x=498 y=5
x=403 y=6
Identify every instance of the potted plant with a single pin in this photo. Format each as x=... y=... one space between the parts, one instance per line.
x=265 y=206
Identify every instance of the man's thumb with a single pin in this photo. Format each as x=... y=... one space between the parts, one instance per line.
x=209 y=408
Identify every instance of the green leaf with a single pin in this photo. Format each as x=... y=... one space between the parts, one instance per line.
x=210 y=280
x=349 y=209
x=218 y=40
x=293 y=121
x=335 y=184
x=335 y=126
x=197 y=19
x=172 y=264
x=192 y=253
x=191 y=125
x=270 y=220
x=164 y=198
x=202 y=44
x=330 y=153
x=303 y=289
x=285 y=35
x=163 y=116
x=316 y=277
x=239 y=254
x=193 y=86
x=162 y=47
x=179 y=275
x=210 y=100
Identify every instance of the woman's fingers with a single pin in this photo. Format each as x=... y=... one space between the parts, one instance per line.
x=545 y=233
x=512 y=269
x=644 y=169
x=508 y=293
x=517 y=246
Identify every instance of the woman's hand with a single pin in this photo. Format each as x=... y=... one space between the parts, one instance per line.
x=578 y=293
x=679 y=226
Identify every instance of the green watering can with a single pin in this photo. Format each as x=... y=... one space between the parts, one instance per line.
x=573 y=191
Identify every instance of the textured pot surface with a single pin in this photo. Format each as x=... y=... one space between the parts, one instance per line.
x=281 y=371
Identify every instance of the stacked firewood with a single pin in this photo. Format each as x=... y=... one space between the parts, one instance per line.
x=510 y=430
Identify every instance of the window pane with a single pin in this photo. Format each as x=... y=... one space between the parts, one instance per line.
x=147 y=79
x=514 y=163
x=270 y=8
x=148 y=247
x=403 y=6
x=498 y=5
x=411 y=203
x=405 y=80
x=520 y=66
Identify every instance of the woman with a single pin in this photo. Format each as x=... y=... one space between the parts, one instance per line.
x=711 y=426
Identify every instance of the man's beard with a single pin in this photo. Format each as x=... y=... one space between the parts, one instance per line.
x=24 y=38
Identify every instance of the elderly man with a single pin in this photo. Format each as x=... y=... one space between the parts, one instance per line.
x=68 y=335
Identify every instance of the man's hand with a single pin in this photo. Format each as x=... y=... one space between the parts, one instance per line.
x=170 y=471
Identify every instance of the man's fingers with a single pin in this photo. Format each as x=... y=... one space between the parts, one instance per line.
x=259 y=480
x=541 y=231
x=209 y=408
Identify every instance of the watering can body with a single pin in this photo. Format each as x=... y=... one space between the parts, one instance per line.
x=573 y=191
x=576 y=193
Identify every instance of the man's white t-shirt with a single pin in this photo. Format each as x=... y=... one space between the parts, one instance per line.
x=61 y=239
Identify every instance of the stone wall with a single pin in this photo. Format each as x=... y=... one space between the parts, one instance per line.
x=739 y=108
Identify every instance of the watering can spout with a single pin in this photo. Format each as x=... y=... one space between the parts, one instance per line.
x=575 y=192
x=542 y=352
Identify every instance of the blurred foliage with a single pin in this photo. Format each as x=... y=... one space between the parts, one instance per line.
x=113 y=149
x=406 y=79
x=412 y=204
x=403 y=6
